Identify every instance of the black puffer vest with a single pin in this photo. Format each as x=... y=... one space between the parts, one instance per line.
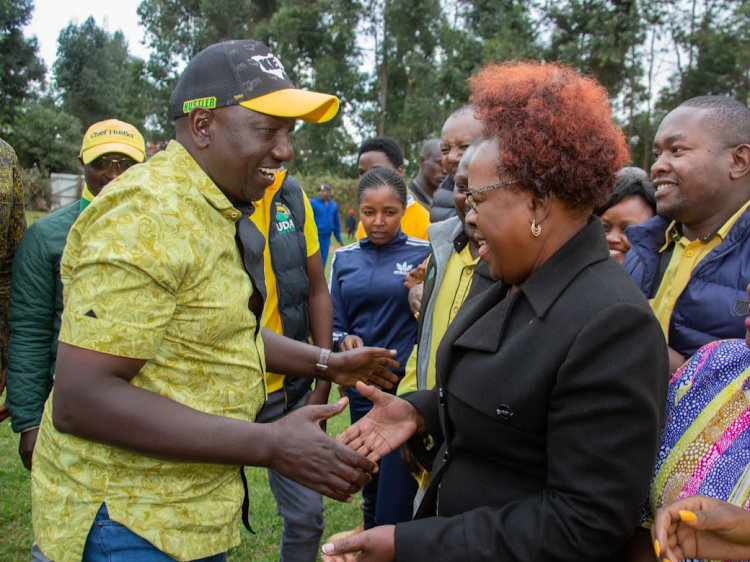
x=288 y=248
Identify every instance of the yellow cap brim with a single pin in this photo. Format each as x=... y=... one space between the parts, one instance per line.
x=312 y=107
x=95 y=152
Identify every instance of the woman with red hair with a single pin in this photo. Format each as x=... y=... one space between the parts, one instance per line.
x=552 y=383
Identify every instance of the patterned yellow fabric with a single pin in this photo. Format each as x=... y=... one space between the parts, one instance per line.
x=686 y=256
x=12 y=227
x=152 y=271
x=262 y=219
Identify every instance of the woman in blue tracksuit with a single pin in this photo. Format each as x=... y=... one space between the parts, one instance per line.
x=370 y=307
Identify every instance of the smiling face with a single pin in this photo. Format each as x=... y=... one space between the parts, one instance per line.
x=459 y=131
x=631 y=210
x=691 y=171
x=244 y=150
x=502 y=218
x=380 y=212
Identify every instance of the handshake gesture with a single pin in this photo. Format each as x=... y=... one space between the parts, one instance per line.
x=390 y=423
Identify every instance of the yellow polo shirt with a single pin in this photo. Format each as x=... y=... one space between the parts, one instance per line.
x=685 y=257
x=262 y=219
x=414 y=222
x=459 y=272
x=151 y=271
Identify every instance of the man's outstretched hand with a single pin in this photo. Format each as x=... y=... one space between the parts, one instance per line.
x=367 y=364
x=374 y=545
x=391 y=422
x=303 y=452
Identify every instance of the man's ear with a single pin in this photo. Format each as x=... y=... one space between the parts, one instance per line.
x=200 y=121
x=400 y=170
x=740 y=162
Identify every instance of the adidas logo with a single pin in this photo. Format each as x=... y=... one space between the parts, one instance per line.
x=403 y=269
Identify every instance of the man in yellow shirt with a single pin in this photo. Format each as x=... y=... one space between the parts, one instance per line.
x=384 y=152
x=692 y=260
x=298 y=305
x=160 y=367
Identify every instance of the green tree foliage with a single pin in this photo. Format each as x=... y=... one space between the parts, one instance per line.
x=48 y=137
x=98 y=79
x=19 y=63
x=400 y=67
x=597 y=36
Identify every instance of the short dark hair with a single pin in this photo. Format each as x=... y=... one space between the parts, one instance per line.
x=627 y=186
x=729 y=119
x=383 y=144
x=378 y=177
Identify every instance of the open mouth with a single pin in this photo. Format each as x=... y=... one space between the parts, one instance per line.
x=268 y=173
x=662 y=185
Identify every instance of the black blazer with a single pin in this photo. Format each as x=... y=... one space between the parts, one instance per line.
x=547 y=413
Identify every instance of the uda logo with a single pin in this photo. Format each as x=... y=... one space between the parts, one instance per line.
x=403 y=269
x=284 y=222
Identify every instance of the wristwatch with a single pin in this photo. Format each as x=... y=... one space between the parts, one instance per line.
x=321 y=367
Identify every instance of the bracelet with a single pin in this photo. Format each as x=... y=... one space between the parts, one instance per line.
x=321 y=367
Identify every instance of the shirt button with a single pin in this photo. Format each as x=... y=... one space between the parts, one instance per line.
x=504 y=412
x=234 y=215
x=690 y=253
x=455 y=309
x=468 y=272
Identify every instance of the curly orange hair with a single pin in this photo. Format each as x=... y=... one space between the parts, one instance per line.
x=554 y=128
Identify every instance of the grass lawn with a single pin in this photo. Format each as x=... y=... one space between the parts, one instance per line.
x=33 y=216
x=15 y=508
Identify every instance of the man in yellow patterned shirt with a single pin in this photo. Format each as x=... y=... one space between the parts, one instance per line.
x=161 y=361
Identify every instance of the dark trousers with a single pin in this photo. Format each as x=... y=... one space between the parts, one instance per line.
x=325 y=244
x=389 y=497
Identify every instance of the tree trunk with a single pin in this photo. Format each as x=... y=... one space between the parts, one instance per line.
x=647 y=137
x=383 y=93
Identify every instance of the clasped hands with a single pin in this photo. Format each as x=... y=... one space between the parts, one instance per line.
x=390 y=423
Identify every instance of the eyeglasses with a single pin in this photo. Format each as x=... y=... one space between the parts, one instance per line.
x=470 y=194
x=104 y=163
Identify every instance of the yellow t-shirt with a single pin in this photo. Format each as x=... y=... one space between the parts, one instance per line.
x=262 y=219
x=414 y=222
x=151 y=271
x=459 y=272
x=685 y=257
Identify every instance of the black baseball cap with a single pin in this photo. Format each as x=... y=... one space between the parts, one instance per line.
x=246 y=73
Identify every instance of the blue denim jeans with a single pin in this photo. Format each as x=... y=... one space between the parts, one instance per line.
x=111 y=542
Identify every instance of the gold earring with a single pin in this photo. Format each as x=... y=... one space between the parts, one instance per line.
x=536 y=229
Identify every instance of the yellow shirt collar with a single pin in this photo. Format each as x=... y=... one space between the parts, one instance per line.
x=673 y=234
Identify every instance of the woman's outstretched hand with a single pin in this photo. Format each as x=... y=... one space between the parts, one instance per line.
x=374 y=545
x=701 y=527
x=391 y=422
